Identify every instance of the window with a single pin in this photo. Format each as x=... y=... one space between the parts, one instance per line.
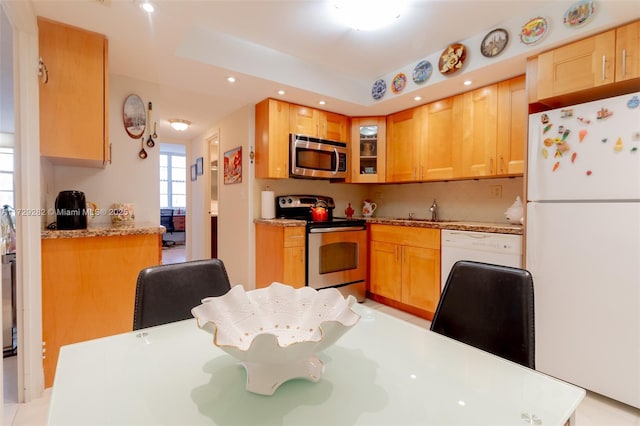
x=173 y=180
x=6 y=177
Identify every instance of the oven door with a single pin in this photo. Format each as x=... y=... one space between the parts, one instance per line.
x=336 y=256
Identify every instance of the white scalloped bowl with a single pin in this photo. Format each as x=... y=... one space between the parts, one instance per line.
x=275 y=331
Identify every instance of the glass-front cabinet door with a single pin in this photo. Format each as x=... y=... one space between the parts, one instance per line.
x=368 y=145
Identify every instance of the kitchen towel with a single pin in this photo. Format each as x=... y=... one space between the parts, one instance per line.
x=268 y=205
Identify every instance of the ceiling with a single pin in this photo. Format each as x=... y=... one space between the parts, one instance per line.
x=188 y=48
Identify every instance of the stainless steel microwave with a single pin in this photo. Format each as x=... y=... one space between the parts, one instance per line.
x=317 y=158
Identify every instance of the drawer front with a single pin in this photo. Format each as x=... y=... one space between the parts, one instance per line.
x=406 y=235
x=294 y=236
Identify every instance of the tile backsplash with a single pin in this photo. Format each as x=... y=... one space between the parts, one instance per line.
x=473 y=200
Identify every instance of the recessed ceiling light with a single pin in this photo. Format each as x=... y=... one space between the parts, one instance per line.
x=147 y=7
x=281 y=92
x=322 y=102
x=417 y=98
x=467 y=82
x=231 y=79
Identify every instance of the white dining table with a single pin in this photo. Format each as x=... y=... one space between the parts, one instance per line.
x=383 y=371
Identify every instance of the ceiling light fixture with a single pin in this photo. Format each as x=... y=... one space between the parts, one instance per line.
x=231 y=79
x=417 y=98
x=368 y=15
x=179 y=124
x=322 y=102
x=147 y=7
x=281 y=92
x=467 y=82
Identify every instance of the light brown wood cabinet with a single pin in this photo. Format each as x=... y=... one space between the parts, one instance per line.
x=280 y=255
x=442 y=149
x=272 y=139
x=368 y=149
x=512 y=127
x=405 y=266
x=318 y=123
x=404 y=145
x=480 y=124
x=73 y=95
x=89 y=287
x=593 y=62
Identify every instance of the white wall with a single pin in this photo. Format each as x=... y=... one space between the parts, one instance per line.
x=236 y=206
x=128 y=179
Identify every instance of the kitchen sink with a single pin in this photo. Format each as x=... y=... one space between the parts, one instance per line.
x=416 y=219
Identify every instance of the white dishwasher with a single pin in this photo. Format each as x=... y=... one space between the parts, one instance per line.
x=487 y=247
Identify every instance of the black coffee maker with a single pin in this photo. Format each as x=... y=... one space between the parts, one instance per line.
x=71 y=210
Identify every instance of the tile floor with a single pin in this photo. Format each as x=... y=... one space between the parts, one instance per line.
x=173 y=254
x=595 y=410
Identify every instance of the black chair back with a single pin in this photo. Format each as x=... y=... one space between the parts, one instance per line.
x=167 y=293
x=489 y=307
x=166 y=219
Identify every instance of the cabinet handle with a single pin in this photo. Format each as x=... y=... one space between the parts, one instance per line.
x=502 y=165
x=396 y=253
x=490 y=165
x=604 y=66
x=43 y=72
x=624 y=63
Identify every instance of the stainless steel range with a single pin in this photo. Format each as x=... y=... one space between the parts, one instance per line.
x=336 y=248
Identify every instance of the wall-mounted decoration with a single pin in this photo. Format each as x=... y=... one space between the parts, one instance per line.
x=199 y=166
x=194 y=174
x=579 y=13
x=233 y=166
x=534 y=30
x=494 y=42
x=422 y=71
x=398 y=83
x=379 y=89
x=134 y=116
x=452 y=58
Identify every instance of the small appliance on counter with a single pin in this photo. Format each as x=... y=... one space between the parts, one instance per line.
x=71 y=210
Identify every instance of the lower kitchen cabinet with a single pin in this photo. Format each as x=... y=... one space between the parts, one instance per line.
x=405 y=267
x=89 y=287
x=280 y=255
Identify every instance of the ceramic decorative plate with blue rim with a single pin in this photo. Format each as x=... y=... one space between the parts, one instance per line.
x=422 y=72
x=579 y=13
x=379 y=89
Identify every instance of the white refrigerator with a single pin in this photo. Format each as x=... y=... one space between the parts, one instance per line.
x=583 y=244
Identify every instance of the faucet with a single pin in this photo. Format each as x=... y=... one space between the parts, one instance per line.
x=434 y=211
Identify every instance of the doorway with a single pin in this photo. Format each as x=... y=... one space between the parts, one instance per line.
x=173 y=201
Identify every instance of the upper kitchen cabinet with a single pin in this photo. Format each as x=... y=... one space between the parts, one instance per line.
x=321 y=124
x=441 y=151
x=604 y=61
x=480 y=124
x=512 y=127
x=272 y=139
x=628 y=52
x=404 y=145
x=368 y=146
x=73 y=95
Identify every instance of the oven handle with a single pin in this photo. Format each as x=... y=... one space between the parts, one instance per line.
x=336 y=229
x=335 y=172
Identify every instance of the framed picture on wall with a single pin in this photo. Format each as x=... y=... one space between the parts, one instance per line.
x=194 y=174
x=233 y=166
x=199 y=166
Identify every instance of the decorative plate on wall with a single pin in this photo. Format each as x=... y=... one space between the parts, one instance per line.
x=452 y=58
x=534 y=30
x=422 y=72
x=134 y=116
x=494 y=43
x=379 y=89
x=398 y=83
x=579 y=13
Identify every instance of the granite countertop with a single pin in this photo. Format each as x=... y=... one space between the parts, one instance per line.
x=105 y=230
x=462 y=225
